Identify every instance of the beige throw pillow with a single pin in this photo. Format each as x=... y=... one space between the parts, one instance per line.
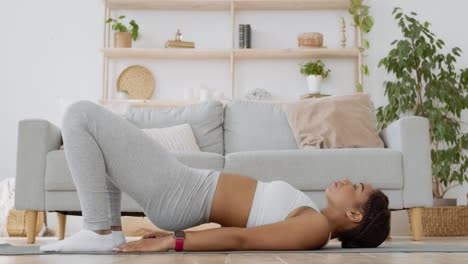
x=345 y=121
x=179 y=138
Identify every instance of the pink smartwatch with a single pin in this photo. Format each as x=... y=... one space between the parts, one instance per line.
x=179 y=240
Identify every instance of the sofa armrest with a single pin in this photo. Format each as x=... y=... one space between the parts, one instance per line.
x=36 y=137
x=410 y=136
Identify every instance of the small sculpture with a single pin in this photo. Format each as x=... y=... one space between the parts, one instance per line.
x=343 y=33
x=178 y=36
x=178 y=42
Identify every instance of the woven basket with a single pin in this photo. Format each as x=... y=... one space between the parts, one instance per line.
x=310 y=39
x=445 y=221
x=16 y=225
x=122 y=39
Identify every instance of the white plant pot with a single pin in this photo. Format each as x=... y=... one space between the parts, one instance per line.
x=122 y=95
x=314 y=83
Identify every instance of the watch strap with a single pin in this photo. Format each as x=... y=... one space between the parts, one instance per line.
x=179 y=240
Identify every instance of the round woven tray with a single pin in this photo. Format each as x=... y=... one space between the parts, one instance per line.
x=445 y=221
x=138 y=81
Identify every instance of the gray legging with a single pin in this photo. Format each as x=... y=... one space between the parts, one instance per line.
x=106 y=154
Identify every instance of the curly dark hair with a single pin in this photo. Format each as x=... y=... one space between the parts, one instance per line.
x=374 y=227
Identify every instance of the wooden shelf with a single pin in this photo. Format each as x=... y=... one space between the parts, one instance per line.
x=169 y=103
x=166 y=53
x=290 y=4
x=296 y=53
x=163 y=53
x=226 y=4
x=230 y=54
x=147 y=103
x=170 y=4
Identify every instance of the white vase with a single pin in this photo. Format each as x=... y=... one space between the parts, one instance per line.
x=205 y=94
x=196 y=93
x=188 y=94
x=314 y=82
x=218 y=95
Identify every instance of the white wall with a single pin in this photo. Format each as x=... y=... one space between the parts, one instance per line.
x=49 y=50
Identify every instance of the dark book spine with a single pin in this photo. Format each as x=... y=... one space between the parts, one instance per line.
x=241 y=36
x=247 y=36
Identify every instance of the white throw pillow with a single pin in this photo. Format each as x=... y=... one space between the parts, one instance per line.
x=178 y=138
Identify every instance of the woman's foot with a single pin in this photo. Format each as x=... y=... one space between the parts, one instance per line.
x=119 y=238
x=84 y=240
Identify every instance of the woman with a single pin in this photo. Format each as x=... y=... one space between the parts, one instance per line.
x=107 y=154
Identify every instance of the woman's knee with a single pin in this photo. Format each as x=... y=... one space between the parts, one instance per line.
x=75 y=111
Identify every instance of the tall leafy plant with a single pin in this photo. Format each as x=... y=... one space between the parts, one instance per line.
x=364 y=21
x=427 y=83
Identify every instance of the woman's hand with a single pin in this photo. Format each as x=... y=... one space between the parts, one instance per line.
x=157 y=234
x=160 y=244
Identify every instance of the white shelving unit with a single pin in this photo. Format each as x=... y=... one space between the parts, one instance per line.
x=231 y=54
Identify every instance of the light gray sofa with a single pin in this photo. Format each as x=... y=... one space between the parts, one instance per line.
x=246 y=137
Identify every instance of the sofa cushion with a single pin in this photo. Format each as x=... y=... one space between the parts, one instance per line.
x=179 y=138
x=256 y=125
x=205 y=118
x=58 y=176
x=344 y=121
x=315 y=169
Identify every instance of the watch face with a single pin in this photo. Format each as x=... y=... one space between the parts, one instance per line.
x=179 y=234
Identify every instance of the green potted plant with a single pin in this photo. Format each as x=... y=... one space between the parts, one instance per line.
x=123 y=37
x=427 y=83
x=315 y=72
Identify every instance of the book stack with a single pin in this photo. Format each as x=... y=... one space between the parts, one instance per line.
x=179 y=44
x=244 y=36
x=309 y=95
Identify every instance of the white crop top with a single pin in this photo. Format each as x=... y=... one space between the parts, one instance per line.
x=274 y=201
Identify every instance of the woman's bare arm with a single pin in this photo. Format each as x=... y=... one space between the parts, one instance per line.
x=306 y=231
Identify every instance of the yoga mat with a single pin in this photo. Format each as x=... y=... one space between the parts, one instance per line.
x=8 y=249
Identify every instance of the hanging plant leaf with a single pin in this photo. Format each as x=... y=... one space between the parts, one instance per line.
x=365 y=22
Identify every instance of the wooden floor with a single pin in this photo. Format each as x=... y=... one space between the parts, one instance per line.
x=257 y=258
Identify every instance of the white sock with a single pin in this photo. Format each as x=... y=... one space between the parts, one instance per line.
x=84 y=240
x=119 y=238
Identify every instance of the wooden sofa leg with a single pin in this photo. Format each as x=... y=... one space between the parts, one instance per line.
x=415 y=215
x=31 y=222
x=61 y=223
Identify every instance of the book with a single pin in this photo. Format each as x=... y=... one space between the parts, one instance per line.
x=179 y=44
x=247 y=36
x=241 y=36
x=309 y=95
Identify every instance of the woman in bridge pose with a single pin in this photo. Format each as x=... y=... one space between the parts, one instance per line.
x=108 y=154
